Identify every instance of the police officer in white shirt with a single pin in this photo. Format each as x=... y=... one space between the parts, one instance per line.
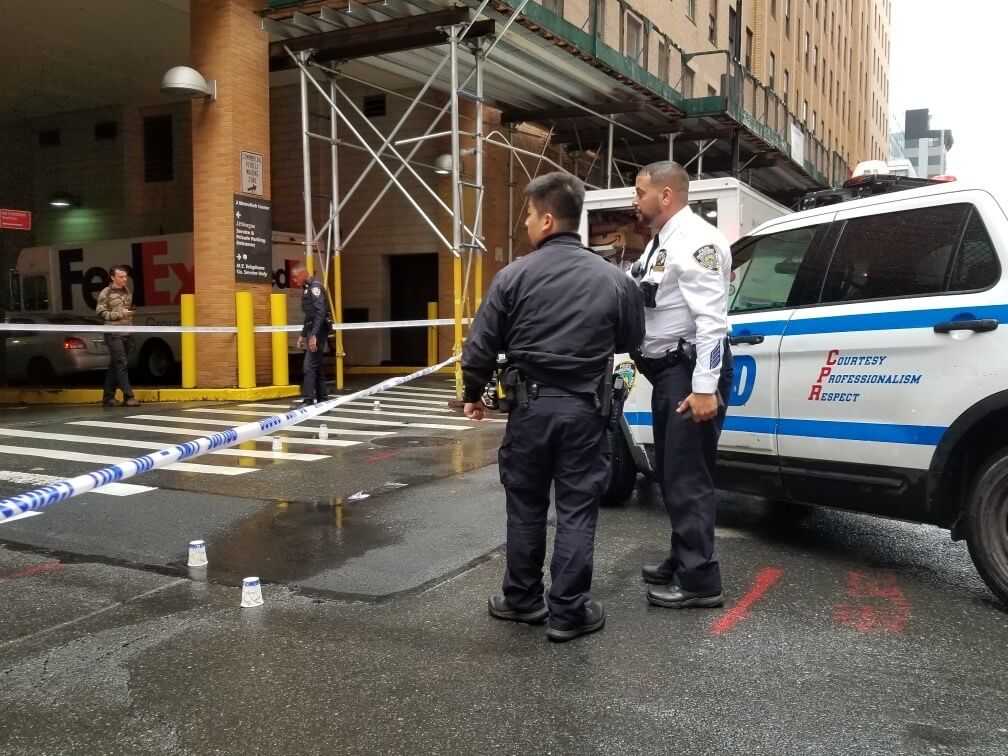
x=683 y=275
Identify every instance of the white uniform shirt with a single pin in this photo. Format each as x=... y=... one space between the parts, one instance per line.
x=691 y=265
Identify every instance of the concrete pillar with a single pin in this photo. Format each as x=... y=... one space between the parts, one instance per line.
x=228 y=45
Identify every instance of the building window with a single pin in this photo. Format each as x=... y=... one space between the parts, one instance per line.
x=159 y=163
x=787 y=18
x=773 y=69
x=663 y=60
x=733 y=49
x=712 y=25
x=804 y=112
x=806 y=50
x=634 y=40
x=687 y=82
x=556 y=6
x=813 y=122
x=748 y=49
x=787 y=86
x=598 y=18
x=773 y=8
x=815 y=63
x=691 y=10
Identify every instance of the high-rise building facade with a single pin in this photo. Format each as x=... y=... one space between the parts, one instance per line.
x=926 y=148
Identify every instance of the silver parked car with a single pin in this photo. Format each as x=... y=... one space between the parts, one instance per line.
x=42 y=356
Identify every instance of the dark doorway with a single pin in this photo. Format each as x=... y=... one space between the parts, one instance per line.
x=413 y=282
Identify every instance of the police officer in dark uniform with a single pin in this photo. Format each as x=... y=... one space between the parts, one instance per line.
x=314 y=334
x=685 y=354
x=558 y=314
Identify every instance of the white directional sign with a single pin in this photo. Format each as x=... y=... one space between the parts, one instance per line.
x=252 y=173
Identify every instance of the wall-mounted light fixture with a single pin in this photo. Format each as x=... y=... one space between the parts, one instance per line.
x=443 y=162
x=63 y=199
x=188 y=82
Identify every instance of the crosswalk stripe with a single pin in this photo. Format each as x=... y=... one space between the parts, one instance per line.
x=30 y=451
x=176 y=430
x=362 y=404
x=37 y=479
x=418 y=397
x=359 y=421
x=132 y=444
x=425 y=390
x=230 y=424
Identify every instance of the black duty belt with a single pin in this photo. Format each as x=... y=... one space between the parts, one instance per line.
x=536 y=390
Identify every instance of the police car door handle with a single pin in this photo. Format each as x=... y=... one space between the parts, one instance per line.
x=755 y=338
x=980 y=326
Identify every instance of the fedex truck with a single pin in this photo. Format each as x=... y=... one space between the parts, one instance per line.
x=66 y=279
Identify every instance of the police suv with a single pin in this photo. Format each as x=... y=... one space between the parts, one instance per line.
x=871 y=365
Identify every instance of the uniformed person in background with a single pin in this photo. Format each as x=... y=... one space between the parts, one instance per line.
x=558 y=314
x=314 y=334
x=683 y=275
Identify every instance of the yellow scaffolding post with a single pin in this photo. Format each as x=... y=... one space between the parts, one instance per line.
x=479 y=278
x=188 y=318
x=432 y=332
x=457 y=348
x=245 y=320
x=337 y=315
x=278 y=339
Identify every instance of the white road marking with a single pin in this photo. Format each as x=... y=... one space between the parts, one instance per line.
x=35 y=479
x=448 y=393
x=19 y=517
x=173 y=430
x=394 y=404
x=411 y=399
x=133 y=444
x=230 y=424
x=359 y=421
x=29 y=451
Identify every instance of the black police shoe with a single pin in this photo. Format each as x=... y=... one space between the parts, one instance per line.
x=657 y=574
x=674 y=597
x=594 y=620
x=499 y=608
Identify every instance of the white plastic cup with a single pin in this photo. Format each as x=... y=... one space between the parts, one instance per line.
x=277 y=443
x=197 y=554
x=251 y=593
x=323 y=432
x=377 y=405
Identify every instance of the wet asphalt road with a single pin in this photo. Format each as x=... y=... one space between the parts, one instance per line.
x=841 y=633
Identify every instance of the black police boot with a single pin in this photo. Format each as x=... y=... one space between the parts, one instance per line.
x=674 y=597
x=594 y=620
x=657 y=574
x=499 y=608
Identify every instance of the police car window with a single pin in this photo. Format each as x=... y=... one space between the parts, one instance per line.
x=976 y=266
x=764 y=269
x=894 y=254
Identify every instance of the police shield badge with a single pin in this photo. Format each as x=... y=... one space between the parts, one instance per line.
x=659 y=263
x=316 y=291
x=707 y=257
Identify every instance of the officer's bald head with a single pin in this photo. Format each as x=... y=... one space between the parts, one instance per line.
x=666 y=173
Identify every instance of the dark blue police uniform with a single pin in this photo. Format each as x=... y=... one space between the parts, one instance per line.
x=316 y=323
x=558 y=314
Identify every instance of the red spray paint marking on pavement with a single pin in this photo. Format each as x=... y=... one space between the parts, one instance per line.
x=33 y=569
x=740 y=611
x=382 y=456
x=875 y=604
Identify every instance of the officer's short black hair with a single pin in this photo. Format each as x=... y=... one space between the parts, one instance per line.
x=667 y=173
x=561 y=195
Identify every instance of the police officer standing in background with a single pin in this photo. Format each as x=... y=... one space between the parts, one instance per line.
x=315 y=332
x=683 y=275
x=558 y=314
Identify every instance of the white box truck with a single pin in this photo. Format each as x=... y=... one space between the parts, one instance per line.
x=65 y=279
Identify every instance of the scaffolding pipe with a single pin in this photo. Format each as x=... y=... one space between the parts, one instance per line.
x=456 y=205
x=309 y=233
x=336 y=247
x=480 y=192
x=609 y=160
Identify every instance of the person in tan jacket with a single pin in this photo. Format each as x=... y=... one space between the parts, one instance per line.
x=115 y=305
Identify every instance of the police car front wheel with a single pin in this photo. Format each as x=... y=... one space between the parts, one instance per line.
x=987 y=524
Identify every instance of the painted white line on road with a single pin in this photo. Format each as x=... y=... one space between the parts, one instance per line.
x=36 y=479
x=30 y=451
x=23 y=514
x=359 y=421
x=367 y=403
x=415 y=399
x=173 y=430
x=264 y=439
x=448 y=393
x=133 y=444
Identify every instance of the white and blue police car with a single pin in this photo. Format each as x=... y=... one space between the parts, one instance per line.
x=871 y=363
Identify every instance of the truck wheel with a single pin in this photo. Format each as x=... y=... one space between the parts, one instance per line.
x=624 y=472
x=987 y=524
x=156 y=362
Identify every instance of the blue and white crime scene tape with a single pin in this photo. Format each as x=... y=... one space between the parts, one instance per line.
x=65 y=489
x=113 y=328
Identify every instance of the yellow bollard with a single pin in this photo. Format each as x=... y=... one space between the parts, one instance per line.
x=432 y=334
x=278 y=317
x=188 y=318
x=245 y=320
x=457 y=314
x=478 y=279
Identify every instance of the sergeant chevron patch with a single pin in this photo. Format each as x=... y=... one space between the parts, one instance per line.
x=708 y=258
x=715 y=356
